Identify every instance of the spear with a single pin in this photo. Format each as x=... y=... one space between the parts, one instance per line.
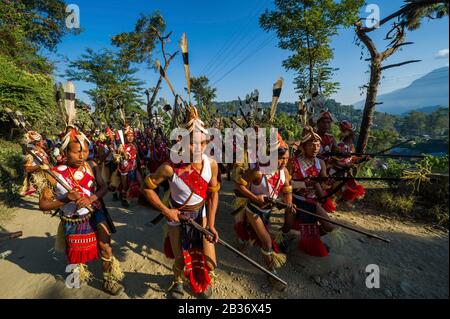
x=231 y=248
x=67 y=188
x=7 y=236
x=348 y=178
x=279 y=203
x=372 y=155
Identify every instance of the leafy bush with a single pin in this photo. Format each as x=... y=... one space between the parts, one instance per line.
x=400 y=204
x=11 y=173
x=32 y=94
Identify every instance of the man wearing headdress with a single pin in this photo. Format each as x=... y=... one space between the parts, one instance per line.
x=131 y=179
x=31 y=168
x=193 y=194
x=328 y=142
x=83 y=232
x=253 y=222
x=308 y=195
x=351 y=189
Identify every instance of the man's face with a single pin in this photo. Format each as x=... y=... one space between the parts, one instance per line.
x=311 y=148
x=41 y=143
x=197 y=146
x=76 y=155
x=283 y=160
x=130 y=138
x=324 y=125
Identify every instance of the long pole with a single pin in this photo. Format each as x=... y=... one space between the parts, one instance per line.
x=237 y=252
x=282 y=204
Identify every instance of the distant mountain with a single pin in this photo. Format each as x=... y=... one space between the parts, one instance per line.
x=426 y=110
x=426 y=93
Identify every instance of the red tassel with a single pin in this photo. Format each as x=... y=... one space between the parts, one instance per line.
x=241 y=231
x=275 y=247
x=329 y=206
x=296 y=225
x=134 y=190
x=196 y=270
x=310 y=242
x=168 y=248
x=81 y=248
x=353 y=191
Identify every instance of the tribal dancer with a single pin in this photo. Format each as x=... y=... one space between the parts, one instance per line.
x=83 y=229
x=131 y=179
x=310 y=196
x=194 y=194
x=33 y=171
x=253 y=222
x=351 y=189
x=328 y=142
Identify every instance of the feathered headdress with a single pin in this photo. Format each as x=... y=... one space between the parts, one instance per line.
x=193 y=121
x=32 y=137
x=279 y=144
x=309 y=134
x=325 y=114
x=346 y=128
x=72 y=133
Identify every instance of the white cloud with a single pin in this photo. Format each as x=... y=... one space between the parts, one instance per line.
x=442 y=54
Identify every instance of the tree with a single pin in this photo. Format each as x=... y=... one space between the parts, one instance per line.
x=306 y=27
x=116 y=86
x=27 y=26
x=204 y=95
x=139 y=45
x=32 y=94
x=409 y=17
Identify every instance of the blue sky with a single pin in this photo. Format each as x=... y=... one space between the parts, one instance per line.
x=227 y=44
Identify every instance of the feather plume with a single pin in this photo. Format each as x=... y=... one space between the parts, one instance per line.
x=184 y=50
x=69 y=103
x=278 y=85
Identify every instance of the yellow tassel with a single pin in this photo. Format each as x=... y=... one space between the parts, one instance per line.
x=40 y=181
x=213 y=276
x=85 y=274
x=60 y=240
x=278 y=236
x=116 y=272
x=337 y=237
x=239 y=202
x=115 y=179
x=278 y=260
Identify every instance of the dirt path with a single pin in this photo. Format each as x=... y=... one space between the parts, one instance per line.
x=414 y=265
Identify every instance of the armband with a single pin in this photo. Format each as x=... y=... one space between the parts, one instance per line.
x=287 y=189
x=149 y=183
x=239 y=180
x=214 y=189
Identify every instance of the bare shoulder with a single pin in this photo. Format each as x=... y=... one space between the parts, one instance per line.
x=214 y=165
x=322 y=164
x=165 y=170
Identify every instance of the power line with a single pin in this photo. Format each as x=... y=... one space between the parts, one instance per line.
x=261 y=46
x=226 y=45
x=234 y=46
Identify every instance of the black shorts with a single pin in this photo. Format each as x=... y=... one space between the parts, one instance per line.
x=310 y=207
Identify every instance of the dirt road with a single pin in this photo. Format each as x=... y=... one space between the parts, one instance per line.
x=414 y=265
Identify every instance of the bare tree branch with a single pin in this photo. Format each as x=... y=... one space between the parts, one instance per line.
x=399 y=64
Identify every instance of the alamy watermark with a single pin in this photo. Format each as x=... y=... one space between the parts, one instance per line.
x=73 y=19
x=373 y=19
x=235 y=146
x=373 y=279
